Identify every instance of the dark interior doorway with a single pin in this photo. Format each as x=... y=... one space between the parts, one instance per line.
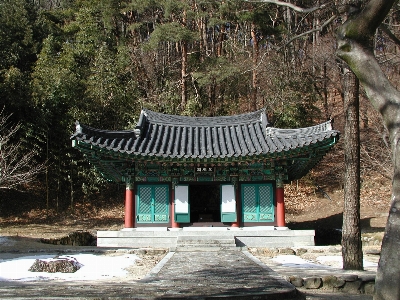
x=204 y=202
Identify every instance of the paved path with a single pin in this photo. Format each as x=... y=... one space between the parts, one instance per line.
x=180 y=275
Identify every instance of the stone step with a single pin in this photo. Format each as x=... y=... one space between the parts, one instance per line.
x=204 y=237
x=205 y=248
x=205 y=243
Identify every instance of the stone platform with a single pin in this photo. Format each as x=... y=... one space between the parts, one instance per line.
x=206 y=238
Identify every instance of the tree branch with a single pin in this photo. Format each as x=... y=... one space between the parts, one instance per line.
x=363 y=25
x=352 y=48
x=292 y=6
x=390 y=34
x=292 y=39
x=16 y=168
x=310 y=31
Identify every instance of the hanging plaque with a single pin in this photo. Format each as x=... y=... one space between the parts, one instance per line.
x=204 y=169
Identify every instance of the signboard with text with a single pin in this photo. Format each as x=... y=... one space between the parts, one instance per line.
x=204 y=169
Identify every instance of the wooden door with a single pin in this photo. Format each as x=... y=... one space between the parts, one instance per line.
x=152 y=203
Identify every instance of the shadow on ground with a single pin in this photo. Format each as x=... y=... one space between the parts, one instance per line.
x=328 y=231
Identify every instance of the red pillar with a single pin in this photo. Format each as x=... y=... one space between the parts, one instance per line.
x=280 y=206
x=129 y=206
x=173 y=223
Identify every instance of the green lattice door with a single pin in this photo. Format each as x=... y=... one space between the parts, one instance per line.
x=257 y=202
x=152 y=204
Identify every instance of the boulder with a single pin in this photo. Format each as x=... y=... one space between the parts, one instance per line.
x=312 y=282
x=58 y=264
x=332 y=282
x=352 y=287
x=297 y=281
x=286 y=251
x=369 y=288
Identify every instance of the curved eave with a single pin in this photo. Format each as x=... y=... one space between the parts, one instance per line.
x=93 y=151
x=300 y=166
x=169 y=139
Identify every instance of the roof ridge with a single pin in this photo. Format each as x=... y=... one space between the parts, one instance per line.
x=177 y=120
x=322 y=127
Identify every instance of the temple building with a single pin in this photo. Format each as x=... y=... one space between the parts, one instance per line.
x=185 y=172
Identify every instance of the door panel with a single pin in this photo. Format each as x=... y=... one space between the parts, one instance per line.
x=181 y=201
x=152 y=203
x=144 y=210
x=161 y=204
x=228 y=203
x=258 y=202
x=266 y=209
x=249 y=203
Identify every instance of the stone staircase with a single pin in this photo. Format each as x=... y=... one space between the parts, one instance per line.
x=198 y=243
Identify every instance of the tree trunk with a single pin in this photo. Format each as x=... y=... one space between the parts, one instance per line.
x=325 y=91
x=354 y=40
x=203 y=39
x=351 y=231
x=254 y=82
x=387 y=280
x=184 y=75
x=184 y=65
x=221 y=37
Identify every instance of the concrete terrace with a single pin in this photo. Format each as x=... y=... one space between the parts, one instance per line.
x=207 y=238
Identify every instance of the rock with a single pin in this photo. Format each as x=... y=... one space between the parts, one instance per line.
x=349 y=277
x=367 y=277
x=334 y=249
x=332 y=282
x=369 y=288
x=352 y=287
x=141 y=251
x=156 y=251
x=312 y=282
x=270 y=252
x=296 y=281
x=316 y=250
x=301 y=251
x=287 y=251
x=57 y=264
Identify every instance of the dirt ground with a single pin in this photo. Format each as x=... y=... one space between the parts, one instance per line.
x=306 y=208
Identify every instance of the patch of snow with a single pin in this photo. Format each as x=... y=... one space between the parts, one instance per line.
x=94 y=267
x=324 y=261
x=338 y=261
x=294 y=261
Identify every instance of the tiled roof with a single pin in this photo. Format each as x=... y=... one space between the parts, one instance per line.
x=173 y=137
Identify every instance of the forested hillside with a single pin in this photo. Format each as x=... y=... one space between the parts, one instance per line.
x=100 y=62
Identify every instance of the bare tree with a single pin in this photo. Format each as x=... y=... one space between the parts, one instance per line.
x=351 y=229
x=16 y=168
x=355 y=47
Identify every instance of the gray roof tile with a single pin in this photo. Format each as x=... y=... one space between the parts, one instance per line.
x=170 y=136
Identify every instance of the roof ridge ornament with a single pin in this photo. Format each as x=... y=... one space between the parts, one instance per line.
x=137 y=132
x=329 y=125
x=78 y=128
